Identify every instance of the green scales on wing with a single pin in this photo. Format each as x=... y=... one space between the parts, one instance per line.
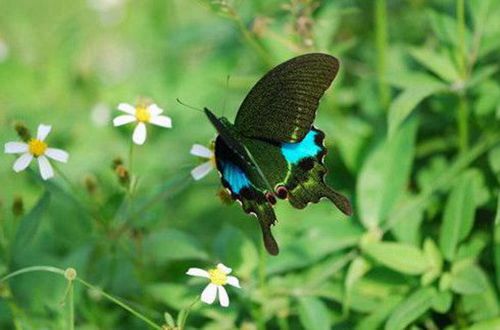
x=272 y=150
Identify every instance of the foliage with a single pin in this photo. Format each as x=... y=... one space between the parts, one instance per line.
x=412 y=125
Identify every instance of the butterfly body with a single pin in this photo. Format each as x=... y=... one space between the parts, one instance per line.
x=272 y=151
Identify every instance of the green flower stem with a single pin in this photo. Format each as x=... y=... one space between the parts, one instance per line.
x=463 y=108
x=463 y=124
x=121 y=304
x=71 y=307
x=381 y=47
x=183 y=318
x=61 y=272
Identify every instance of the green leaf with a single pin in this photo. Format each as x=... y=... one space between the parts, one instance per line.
x=468 y=278
x=171 y=244
x=403 y=258
x=407 y=101
x=439 y=63
x=486 y=325
x=377 y=317
x=458 y=215
x=383 y=176
x=411 y=309
x=435 y=259
x=442 y=302
x=177 y=296
x=30 y=223
x=313 y=314
x=236 y=249
x=357 y=269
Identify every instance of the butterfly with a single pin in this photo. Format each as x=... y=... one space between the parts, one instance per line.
x=272 y=151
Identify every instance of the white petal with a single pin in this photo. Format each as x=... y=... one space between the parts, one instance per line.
x=15 y=147
x=231 y=280
x=223 y=268
x=57 y=154
x=123 y=119
x=22 y=162
x=200 y=151
x=162 y=121
x=139 y=136
x=197 y=272
x=45 y=168
x=200 y=171
x=154 y=110
x=209 y=293
x=43 y=131
x=125 y=107
x=223 y=298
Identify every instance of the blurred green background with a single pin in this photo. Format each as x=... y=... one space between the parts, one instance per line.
x=412 y=125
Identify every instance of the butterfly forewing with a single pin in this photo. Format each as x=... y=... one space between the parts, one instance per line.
x=282 y=105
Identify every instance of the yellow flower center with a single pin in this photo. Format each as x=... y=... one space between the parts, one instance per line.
x=142 y=114
x=37 y=147
x=217 y=276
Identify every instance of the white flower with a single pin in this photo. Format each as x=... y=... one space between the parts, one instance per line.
x=218 y=278
x=202 y=170
x=141 y=115
x=36 y=148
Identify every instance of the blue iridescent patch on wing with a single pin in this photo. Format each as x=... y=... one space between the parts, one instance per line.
x=236 y=178
x=295 y=152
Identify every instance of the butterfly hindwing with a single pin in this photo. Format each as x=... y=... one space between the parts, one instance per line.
x=242 y=188
x=282 y=105
x=305 y=182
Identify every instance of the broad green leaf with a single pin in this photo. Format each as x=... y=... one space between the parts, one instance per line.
x=409 y=231
x=30 y=223
x=407 y=101
x=442 y=302
x=411 y=309
x=439 y=63
x=313 y=314
x=378 y=316
x=458 y=215
x=486 y=325
x=403 y=258
x=482 y=306
x=383 y=176
x=171 y=244
x=468 y=278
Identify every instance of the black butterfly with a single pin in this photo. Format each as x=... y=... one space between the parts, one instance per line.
x=272 y=150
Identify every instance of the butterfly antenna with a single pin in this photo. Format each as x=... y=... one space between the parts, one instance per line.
x=225 y=96
x=188 y=106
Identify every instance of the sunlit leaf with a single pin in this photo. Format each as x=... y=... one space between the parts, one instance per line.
x=403 y=258
x=313 y=314
x=458 y=215
x=411 y=309
x=383 y=177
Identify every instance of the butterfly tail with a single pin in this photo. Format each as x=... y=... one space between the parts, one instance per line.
x=340 y=201
x=267 y=236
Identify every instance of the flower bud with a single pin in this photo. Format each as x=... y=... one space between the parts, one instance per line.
x=18 y=206
x=23 y=132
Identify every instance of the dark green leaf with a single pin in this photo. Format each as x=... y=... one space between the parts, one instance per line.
x=30 y=223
